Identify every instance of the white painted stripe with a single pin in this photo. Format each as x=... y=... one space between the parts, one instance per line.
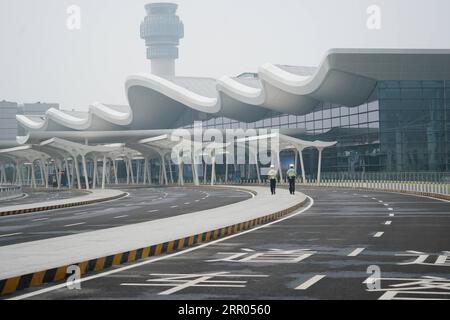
x=187 y=203
x=136 y=265
x=41 y=219
x=391 y=215
x=74 y=224
x=151 y=211
x=197 y=200
x=174 y=207
x=124 y=216
x=307 y=284
x=356 y=252
x=380 y=201
x=374 y=198
x=391 y=209
x=388 y=223
x=378 y=234
x=386 y=204
x=10 y=234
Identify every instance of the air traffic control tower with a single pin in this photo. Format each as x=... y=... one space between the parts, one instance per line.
x=162 y=30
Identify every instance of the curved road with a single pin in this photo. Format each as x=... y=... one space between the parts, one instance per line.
x=141 y=205
x=40 y=196
x=346 y=239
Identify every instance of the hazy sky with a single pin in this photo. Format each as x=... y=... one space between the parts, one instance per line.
x=41 y=60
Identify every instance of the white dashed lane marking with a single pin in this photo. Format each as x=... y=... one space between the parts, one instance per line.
x=356 y=252
x=391 y=215
x=74 y=224
x=390 y=209
x=186 y=203
x=388 y=223
x=378 y=234
x=172 y=207
x=119 y=217
x=151 y=211
x=10 y=234
x=307 y=284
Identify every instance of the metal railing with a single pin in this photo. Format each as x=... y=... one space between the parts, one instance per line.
x=10 y=191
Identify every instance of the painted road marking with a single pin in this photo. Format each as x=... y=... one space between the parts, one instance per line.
x=391 y=215
x=74 y=224
x=151 y=211
x=307 y=284
x=174 y=207
x=41 y=219
x=187 y=203
x=391 y=209
x=380 y=201
x=388 y=223
x=374 y=198
x=378 y=234
x=124 y=216
x=176 y=254
x=356 y=252
x=197 y=200
x=10 y=234
x=386 y=204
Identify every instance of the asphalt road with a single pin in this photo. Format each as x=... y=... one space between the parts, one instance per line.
x=141 y=205
x=326 y=252
x=40 y=196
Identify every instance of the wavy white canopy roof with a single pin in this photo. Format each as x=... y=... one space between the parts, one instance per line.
x=345 y=76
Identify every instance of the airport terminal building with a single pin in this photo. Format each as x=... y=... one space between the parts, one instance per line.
x=384 y=110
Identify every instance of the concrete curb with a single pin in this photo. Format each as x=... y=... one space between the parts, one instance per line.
x=58 y=206
x=11 y=285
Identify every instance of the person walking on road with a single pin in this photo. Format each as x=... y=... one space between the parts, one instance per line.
x=273 y=179
x=292 y=175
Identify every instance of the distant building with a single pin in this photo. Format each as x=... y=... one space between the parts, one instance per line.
x=9 y=128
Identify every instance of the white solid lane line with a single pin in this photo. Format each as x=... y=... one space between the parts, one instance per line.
x=388 y=223
x=124 y=216
x=74 y=224
x=378 y=234
x=307 y=284
x=10 y=235
x=356 y=252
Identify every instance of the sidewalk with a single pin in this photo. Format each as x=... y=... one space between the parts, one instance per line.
x=100 y=249
x=93 y=196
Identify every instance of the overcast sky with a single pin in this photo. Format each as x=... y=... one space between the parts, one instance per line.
x=41 y=60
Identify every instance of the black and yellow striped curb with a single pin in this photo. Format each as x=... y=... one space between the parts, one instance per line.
x=11 y=285
x=59 y=206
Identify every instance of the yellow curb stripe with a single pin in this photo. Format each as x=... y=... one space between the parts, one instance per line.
x=37 y=279
x=100 y=264
x=11 y=285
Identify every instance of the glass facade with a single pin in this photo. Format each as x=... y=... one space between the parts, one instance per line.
x=403 y=127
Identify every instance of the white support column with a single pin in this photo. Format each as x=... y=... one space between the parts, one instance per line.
x=150 y=172
x=164 y=171
x=205 y=172
x=213 y=170
x=302 y=165
x=86 y=179
x=280 y=170
x=33 y=176
x=319 y=166
x=226 y=172
x=130 y=165
x=258 y=173
x=138 y=170
x=144 y=182
x=127 y=167
x=94 y=176
x=77 y=171
x=66 y=164
x=170 y=172
x=116 y=178
x=104 y=172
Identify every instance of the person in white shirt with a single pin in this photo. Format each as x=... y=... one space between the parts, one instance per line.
x=273 y=179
